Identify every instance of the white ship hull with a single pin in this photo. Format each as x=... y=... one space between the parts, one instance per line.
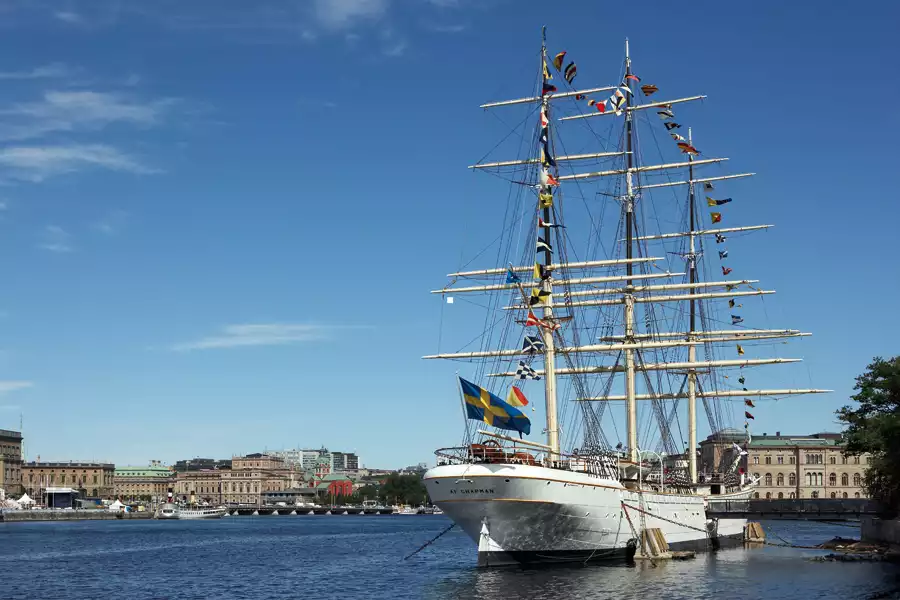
x=527 y=514
x=171 y=511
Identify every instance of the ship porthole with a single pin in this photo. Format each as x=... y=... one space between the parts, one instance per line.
x=506 y=480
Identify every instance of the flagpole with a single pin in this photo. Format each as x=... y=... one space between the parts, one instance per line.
x=692 y=351
x=628 y=297
x=547 y=334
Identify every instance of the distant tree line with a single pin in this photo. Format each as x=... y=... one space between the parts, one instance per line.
x=873 y=426
x=396 y=489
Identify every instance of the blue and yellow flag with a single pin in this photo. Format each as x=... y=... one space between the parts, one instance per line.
x=481 y=405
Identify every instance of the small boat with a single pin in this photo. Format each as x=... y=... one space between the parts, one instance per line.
x=174 y=511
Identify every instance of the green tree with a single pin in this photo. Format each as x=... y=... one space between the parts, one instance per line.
x=404 y=489
x=873 y=426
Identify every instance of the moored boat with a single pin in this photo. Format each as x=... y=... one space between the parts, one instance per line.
x=176 y=511
x=596 y=323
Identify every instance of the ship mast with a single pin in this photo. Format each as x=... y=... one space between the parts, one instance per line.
x=692 y=350
x=631 y=404
x=547 y=333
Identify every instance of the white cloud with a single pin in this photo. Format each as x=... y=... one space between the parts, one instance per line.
x=264 y=334
x=113 y=223
x=447 y=28
x=53 y=70
x=12 y=386
x=37 y=163
x=339 y=14
x=77 y=110
x=69 y=17
x=56 y=239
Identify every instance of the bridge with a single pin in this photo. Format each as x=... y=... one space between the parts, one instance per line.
x=802 y=509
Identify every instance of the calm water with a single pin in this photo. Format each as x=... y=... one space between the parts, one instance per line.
x=361 y=557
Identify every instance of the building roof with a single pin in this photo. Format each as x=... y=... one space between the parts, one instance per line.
x=8 y=433
x=148 y=471
x=783 y=441
x=822 y=439
x=68 y=465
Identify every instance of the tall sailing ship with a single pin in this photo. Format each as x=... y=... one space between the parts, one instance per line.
x=588 y=317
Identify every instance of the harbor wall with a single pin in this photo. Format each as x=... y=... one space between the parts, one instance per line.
x=11 y=516
x=886 y=531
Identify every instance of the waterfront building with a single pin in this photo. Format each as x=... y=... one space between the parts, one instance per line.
x=11 y=462
x=314 y=460
x=203 y=485
x=149 y=483
x=253 y=475
x=791 y=466
x=334 y=486
x=89 y=479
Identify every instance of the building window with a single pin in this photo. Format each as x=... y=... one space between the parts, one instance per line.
x=780 y=460
x=856 y=495
x=833 y=495
x=793 y=495
x=815 y=494
x=845 y=480
x=780 y=479
x=757 y=476
x=755 y=460
x=780 y=495
x=792 y=480
x=845 y=494
x=856 y=460
x=843 y=460
x=832 y=480
x=857 y=480
x=95 y=479
x=768 y=495
x=792 y=459
x=768 y=460
x=768 y=480
x=833 y=460
x=756 y=495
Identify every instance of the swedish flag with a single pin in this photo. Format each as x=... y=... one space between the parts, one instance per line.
x=481 y=405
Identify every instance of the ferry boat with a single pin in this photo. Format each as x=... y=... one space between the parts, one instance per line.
x=175 y=511
x=604 y=325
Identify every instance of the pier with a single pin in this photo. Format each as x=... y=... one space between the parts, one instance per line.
x=244 y=511
x=20 y=516
x=814 y=509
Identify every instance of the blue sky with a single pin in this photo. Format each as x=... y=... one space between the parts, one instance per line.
x=219 y=223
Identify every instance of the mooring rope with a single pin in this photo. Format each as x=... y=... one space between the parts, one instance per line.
x=429 y=542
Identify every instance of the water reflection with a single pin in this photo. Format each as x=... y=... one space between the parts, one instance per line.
x=735 y=574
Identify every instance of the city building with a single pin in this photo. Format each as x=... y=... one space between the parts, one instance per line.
x=334 y=486
x=89 y=479
x=11 y=462
x=150 y=483
x=254 y=475
x=315 y=460
x=790 y=466
x=200 y=486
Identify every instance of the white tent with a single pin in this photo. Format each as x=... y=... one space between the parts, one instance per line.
x=25 y=500
x=116 y=506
